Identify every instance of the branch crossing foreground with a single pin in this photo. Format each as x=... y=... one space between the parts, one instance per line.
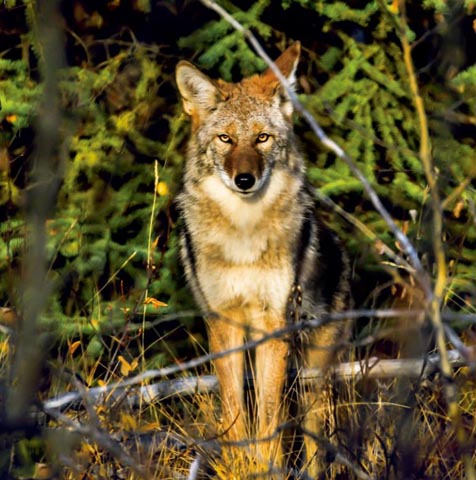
x=136 y=395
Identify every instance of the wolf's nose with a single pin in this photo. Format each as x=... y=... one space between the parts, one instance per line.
x=244 y=181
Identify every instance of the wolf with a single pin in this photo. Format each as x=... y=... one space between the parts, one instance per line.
x=251 y=237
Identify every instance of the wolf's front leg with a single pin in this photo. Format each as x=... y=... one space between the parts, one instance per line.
x=224 y=333
x=270 y=373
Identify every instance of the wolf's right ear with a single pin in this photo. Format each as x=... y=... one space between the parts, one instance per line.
x=199 y=93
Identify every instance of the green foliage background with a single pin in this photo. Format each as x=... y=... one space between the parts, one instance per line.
x=123 y=117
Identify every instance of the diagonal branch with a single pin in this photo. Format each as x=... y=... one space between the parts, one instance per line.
x=206 y=383
x=402 y=239
x=103 y=439
x=433 y=295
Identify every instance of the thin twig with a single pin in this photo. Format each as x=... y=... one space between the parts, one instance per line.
x=467 y=353
x=339 y=456
x=111 y=278
x=252 y=344
x=379 y=244
x=435 y=300
x=103 y=439
x=458 y=191
x=149 y=254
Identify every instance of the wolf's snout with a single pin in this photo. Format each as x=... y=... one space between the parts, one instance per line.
x=244 y=181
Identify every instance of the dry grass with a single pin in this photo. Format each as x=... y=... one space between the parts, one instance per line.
x=382 y=429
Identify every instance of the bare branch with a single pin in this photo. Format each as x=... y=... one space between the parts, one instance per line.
x=339 y=456
x=381 y=246
x=279 y=333
x=208 y=383
x=369 y=368
x=467 y=353
x=103 y=439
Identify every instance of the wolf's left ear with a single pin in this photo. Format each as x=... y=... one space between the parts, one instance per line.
x=287 y=63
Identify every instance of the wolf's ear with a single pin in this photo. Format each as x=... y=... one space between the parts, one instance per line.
x=287 y=63
x=199 y=93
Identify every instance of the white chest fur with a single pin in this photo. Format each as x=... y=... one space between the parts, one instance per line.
x=243 y=214
x=244 y=255
x=267 y=289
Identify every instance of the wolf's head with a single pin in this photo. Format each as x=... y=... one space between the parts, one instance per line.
x=241 y=130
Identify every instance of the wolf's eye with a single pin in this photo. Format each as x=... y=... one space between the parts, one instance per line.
x=224 y=138
x=262 y=137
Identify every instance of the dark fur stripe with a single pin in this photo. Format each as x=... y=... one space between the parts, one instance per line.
x=305 y=237
x=332 y=265
x=190 y=252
